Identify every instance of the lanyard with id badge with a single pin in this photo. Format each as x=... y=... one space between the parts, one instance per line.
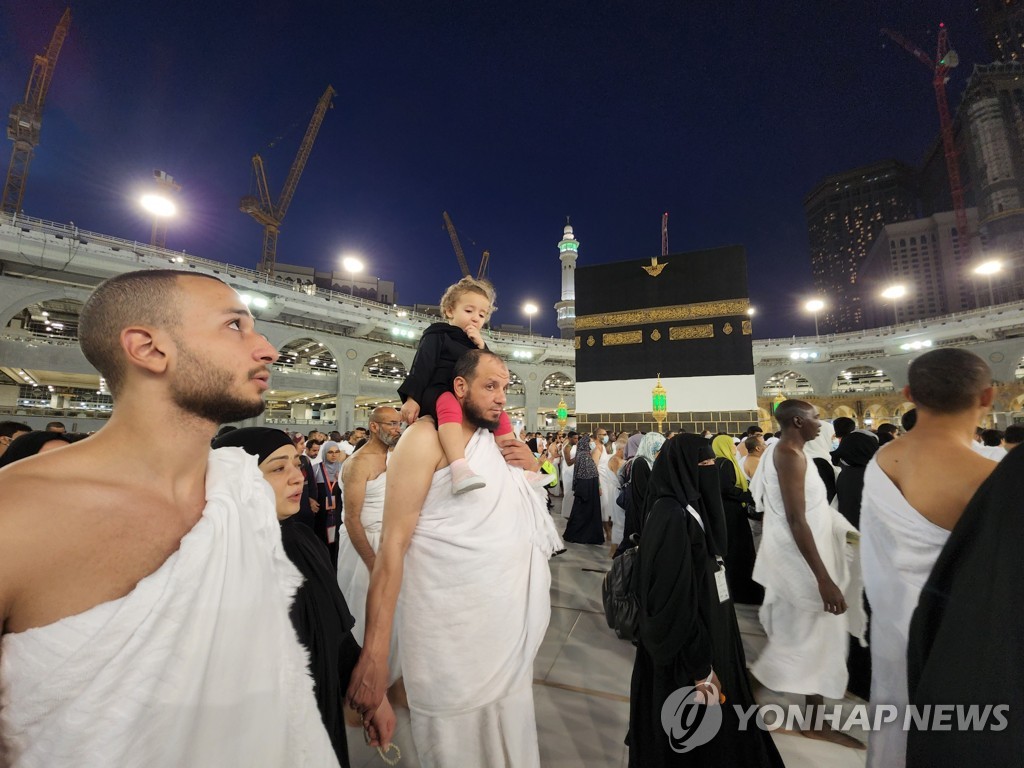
x=720 y=583
x=330 y=505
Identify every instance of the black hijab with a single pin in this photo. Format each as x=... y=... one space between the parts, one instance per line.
x=676 y=475
x=257 y=441
x=29 y=444
x=855 y=450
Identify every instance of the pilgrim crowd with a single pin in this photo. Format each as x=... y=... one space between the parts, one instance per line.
x=324 y=580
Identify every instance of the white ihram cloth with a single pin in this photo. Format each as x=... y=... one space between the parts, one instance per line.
x=898 y=550
x=197 y=666
x=474 y=609
x=609 y=486
x=568 y=472
x=353 y=575
x=806 y=650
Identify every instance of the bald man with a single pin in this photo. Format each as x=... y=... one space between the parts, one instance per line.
x=803 y=565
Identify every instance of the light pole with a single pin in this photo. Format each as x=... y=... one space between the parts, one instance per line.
x=814 y=306
x=987 y=269
x=530 y=309
x=892 y=293
x=352 y=265
x=161 y=208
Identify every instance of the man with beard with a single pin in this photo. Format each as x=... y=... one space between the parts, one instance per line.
x=363 y=477
x=146 y=623
x=474 y=579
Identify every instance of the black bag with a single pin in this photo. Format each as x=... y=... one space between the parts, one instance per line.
x=625 y=497
x=621 y=605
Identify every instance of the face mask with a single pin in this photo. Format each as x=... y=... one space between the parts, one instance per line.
x=604 y=439
x=835 y=444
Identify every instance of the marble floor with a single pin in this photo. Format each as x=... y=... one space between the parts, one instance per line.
x=581 y=682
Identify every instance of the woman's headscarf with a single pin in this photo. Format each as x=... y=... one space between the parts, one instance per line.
x=257 y=441
x=723 y=448
x=855 y=450
x=29 y=444
x=821 y=446
x=677 y=476
x=650 y=444
x=584 y=467
x=332 y=469
x=632 y=445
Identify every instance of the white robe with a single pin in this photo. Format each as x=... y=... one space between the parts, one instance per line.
x=898 y=550
x=806 y=650
x=354 y=577
x=568 y=472
x=609 y=486
x=197 y=666
x=474 y=608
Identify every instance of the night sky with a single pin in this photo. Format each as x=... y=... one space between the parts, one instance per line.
x=510 y=116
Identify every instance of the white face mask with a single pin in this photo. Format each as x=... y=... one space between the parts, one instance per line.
x=604 y=439
x=835 y=444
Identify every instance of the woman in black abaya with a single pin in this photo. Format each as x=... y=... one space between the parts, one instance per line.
x=688 y=632
x=319 y=612
x=584 y=526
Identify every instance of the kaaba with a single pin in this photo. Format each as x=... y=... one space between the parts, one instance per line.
x=681 y=317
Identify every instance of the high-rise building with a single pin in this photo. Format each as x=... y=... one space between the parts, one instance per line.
x=1003 y=23
x=845 y=214
x=922 y=256
x=566 y=308
x=992 y=111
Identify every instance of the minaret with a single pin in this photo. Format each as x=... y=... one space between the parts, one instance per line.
x=566 y=308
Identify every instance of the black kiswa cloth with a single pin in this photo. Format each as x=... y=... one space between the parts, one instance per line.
x=685 y=629
x=433 y=368
x=966 y=642
x=323 y=623
x=694 y=278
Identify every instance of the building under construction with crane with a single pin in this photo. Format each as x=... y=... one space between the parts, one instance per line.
x=929 y=228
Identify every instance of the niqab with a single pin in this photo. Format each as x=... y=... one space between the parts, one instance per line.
x=676 y=475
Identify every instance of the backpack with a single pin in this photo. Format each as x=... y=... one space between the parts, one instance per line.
x=618 y=593
x=625 y=497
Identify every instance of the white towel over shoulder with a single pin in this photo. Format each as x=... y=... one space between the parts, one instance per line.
x=806 y=650
x=197 y=666
x=474 y=608
x=899 y=547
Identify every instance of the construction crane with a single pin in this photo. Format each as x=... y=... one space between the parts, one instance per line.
x=945 y=60
x=26 y=118
x=262 y=208
x=457 y=246
x=664 y=234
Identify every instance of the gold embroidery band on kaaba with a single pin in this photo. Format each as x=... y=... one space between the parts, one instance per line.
x=683 y=332
x=626 y=337
x=701 y=311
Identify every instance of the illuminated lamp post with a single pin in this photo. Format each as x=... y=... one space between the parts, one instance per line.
x=814 y=306
x=530 y=309
x=352 y=265
x=659 y=403
x=894 y=292
x=987 y=269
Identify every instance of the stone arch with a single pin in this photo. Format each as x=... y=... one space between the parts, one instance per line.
x=875 y=414
x=901 y=409
x=787 y=383
x=50 y=294
x=844 y=411
x=384 y=366
x=861 y=378
x=558 y=383
x=306 y=353
x=1017 y=404
x=516 y=385
x=53 y=318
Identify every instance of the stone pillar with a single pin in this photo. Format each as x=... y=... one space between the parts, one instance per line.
x=532 y=386
x=348 y=388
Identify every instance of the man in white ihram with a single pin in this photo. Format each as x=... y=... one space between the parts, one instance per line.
x=145 y=623
x=474 y=580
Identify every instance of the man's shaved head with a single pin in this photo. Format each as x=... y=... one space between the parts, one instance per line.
x=948 y=380
x=149 y=298
x=789 y=409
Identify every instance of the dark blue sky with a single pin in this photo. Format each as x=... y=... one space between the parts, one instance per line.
x=510 y=116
